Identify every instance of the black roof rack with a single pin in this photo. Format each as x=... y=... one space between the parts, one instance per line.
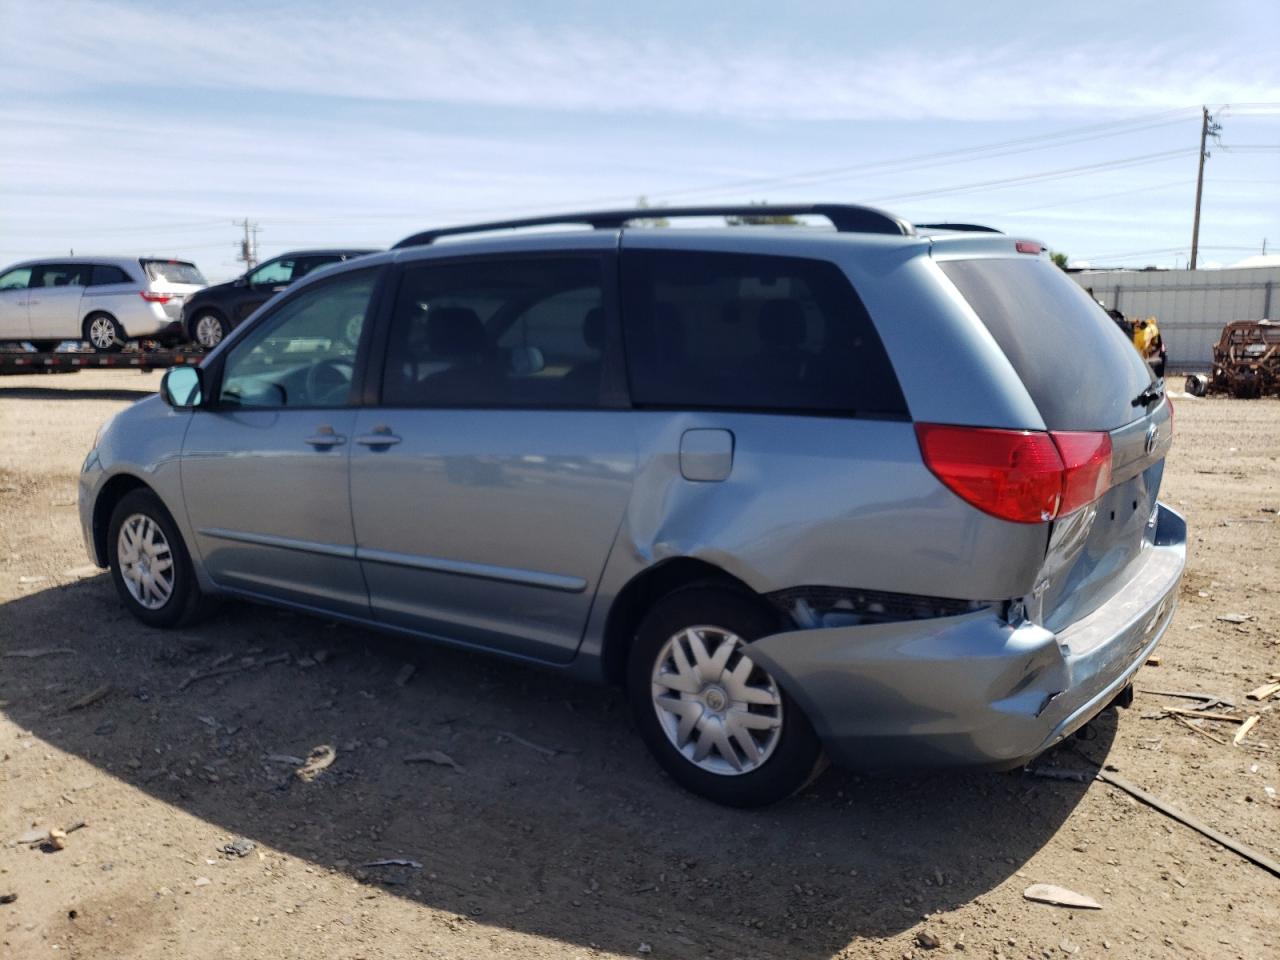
x=964 y=227
x=846 y=218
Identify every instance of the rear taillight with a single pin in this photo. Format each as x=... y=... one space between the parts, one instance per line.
x=1025 y=476
x=1086 y=460
x=156 y=297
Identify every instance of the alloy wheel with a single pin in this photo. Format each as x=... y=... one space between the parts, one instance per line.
x=208 y=331
x=102 y=332
x=717 y=707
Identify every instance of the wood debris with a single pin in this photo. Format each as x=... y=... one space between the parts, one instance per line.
x=233 y=668
x=1060 y=896
x=38 y=652
x=1244 y=730
x=90 y=698
x=1264 y=691
x=438 y=757
x=318 y=760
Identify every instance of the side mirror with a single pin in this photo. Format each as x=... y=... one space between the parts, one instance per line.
x=183 y=387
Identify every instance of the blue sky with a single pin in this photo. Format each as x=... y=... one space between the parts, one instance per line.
x=150 y=127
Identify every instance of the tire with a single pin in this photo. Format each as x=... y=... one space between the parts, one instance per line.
x=104 y=333
x=170 y=603
x=45 y=346
x=207 y=329
x=787 y=756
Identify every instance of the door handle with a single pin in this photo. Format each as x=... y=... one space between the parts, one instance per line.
x=380 y=436
x=324 y=438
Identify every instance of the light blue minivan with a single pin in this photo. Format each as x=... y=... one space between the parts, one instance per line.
x=880 y=493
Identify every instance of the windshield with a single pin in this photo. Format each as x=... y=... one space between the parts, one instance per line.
x=173 y=271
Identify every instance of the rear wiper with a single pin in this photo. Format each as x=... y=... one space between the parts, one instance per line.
x=1151 y=394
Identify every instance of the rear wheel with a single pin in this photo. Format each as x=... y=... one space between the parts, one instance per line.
x=104 y=333
x=716 y=720
x=45 y=346
x=150 y=565
x=208 y=329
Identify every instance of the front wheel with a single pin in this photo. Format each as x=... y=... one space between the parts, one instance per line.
x=104 y=333
x=716 y=720
x=150 y=565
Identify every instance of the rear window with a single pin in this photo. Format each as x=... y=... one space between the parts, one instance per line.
x=1080 y=370
x=751 y=332
x=173 y=271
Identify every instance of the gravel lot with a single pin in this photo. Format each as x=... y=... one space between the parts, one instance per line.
x=554 y=835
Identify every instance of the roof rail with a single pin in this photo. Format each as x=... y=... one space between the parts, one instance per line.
x=846 y=218
x=963 y=227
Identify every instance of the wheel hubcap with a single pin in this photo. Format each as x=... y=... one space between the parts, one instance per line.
x=716 y=706
x=208 y=331
x=102 y=332
x=146 y=562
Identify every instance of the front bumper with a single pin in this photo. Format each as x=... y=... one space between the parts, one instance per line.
x=975 y=690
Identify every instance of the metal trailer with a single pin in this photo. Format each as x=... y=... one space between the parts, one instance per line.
x=17 y=361
x=1190 y=306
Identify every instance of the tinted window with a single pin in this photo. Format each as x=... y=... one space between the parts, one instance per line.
x=303 y=353
x=497 y=332
x=15 y=279
x=173 y=271
x=751 y=332
x=105 y=273
x=1077 y=365
x=60 y=275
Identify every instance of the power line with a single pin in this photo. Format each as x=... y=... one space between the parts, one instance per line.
x=1096 y=196
x=1040 y=177
x=922 y=161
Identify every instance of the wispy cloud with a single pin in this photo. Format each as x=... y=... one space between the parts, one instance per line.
x=417 y=55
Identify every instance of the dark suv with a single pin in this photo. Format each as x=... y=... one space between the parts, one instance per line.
x=210 y=316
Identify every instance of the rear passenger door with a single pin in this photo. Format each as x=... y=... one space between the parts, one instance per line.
x=490 y=478
x=53 y=304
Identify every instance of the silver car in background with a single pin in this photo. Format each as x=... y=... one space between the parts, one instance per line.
x=106 y=301
x=880 y=494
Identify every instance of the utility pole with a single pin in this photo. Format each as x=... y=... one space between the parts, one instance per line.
x=1207 y=129
x=249 y=245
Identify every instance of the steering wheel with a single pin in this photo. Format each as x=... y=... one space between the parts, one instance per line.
x=328 y=380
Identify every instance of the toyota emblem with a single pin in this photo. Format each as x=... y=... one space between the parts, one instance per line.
x=1153 y=434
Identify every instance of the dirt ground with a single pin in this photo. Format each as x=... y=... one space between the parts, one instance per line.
x=555 y=835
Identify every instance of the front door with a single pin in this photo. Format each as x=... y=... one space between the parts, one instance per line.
x=13 y=304
x=265 y=467
x=488 y=486
x=53 y=304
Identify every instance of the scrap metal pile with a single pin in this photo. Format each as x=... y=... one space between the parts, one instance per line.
x=1246 y=361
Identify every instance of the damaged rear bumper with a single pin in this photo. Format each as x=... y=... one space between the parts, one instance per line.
x=974 y=690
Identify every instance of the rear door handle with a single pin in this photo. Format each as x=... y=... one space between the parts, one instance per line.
x=379 y=436
x=324 y=438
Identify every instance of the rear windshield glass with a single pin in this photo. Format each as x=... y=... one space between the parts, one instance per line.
x=173 y=271
x=1079 y=368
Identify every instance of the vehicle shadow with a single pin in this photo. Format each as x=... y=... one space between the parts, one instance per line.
x=554 y=822
x=57 y=393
